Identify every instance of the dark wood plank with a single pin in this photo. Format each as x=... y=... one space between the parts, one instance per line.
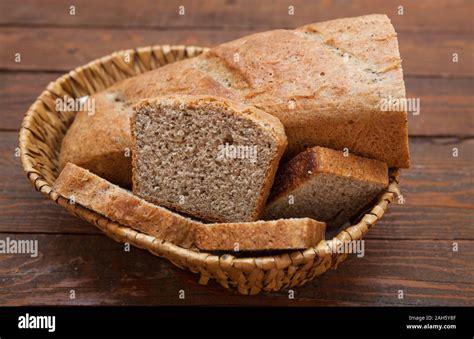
x=428 y=272
x=436 y=178
x=101 y=272
x=421 y=15
x=77 y=46
x=411 y=249
x=45 y=217
x=429 y=54
x=424 y=222
x=17 y=92
x=74 y=47
x=420 y=260
x=15 y=185
x=384 y=292
x=438 y=193
x=446 y=104
x=401 y=222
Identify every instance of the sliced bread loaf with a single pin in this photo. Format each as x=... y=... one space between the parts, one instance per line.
x=87 y=189
x=81 y=186
x=205 y=156
x=260 y=235
x=326 y=185
x=327 y=82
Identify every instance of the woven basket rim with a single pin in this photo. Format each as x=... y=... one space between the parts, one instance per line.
x=72 y=82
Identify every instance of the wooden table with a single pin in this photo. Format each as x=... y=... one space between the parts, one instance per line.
x=410 y=250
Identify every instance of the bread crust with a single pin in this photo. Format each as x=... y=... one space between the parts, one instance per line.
x=260 y=235
x=315 y=160
x=360 y=180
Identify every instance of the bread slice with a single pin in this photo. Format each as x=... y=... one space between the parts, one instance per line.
x=120 y=205
x=260 y=235
x=205 y=156
x=323 y=184
x=327 y=83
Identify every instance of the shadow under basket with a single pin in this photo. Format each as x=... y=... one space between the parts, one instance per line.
x=41 y=134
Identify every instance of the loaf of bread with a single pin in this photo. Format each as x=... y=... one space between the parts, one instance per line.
x=101 y=142
x=326 y=82
x=326 y=185
x=260 y=235
x=205 y=156
x=83 y=187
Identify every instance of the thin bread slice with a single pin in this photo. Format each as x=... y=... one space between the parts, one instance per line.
x=205 y=156
x=260 y=235
x=91 y=191
x=326 y=185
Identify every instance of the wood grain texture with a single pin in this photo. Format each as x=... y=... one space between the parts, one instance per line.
x=420 y=15
x=436 y=55
x=78 y=46
x=421 y=260
x=446 y=103
x=18 y=91
x=436 y=177
x=14 y=183
x=45 y=217
x=447 y=106
x=410 y=249
x=438 y=191
x=400 y=223
x=75 y=47
x=101 y=272
x=412 y=222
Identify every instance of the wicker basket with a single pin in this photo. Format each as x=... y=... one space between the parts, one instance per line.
x=41 y=134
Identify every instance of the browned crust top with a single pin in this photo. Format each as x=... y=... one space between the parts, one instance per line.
x=316 y=160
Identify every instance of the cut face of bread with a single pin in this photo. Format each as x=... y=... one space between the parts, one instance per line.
x=204 y=156
x=323 y=184
x=260 y=235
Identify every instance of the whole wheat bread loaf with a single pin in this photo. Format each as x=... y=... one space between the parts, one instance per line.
x=326 y=82
x=101 y=142
x=326 y=185
x=205 y=156
x=87 y=189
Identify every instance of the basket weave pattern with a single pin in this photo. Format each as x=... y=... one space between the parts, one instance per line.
x=41 y=134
